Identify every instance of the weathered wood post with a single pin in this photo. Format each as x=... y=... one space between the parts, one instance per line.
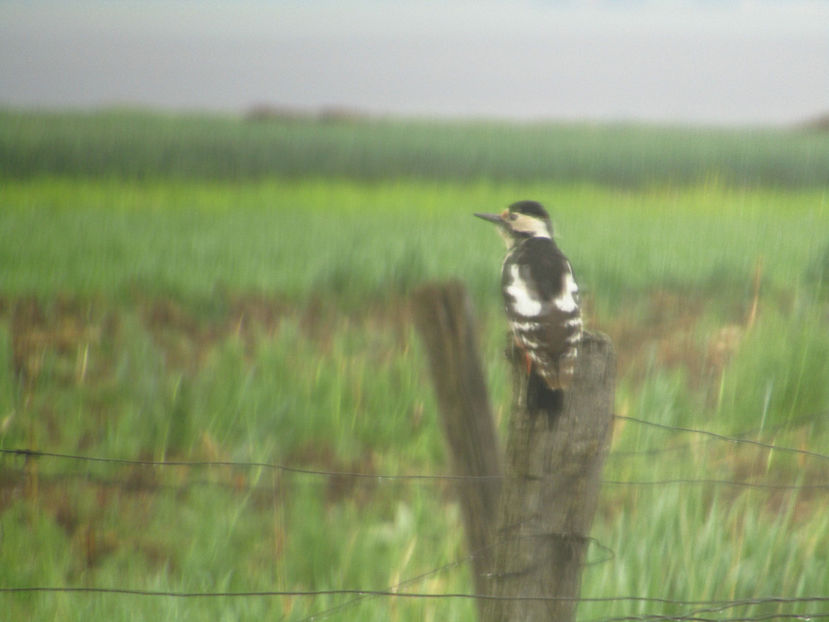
x=443 y=317
x=535 y=527
x=553 y=473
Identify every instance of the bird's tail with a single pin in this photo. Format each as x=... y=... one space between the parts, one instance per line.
x=541 y=398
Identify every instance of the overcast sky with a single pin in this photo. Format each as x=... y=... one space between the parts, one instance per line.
x=704 y=61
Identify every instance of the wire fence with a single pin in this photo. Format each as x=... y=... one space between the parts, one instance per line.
x=380 y=477
x=699 y=610
x=702 y=606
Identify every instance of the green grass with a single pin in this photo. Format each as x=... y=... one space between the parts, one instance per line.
x=343 y=241
x=266 y=320
x=141 y=145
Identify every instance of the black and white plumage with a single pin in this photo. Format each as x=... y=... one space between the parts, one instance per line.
x=540 y=293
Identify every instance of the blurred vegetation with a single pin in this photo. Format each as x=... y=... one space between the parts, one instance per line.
x=162 y=299
x=136 y=144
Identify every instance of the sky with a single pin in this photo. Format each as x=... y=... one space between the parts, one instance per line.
x=724 y=62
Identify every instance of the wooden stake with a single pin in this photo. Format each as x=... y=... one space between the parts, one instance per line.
x=545 y=502
x=554 y=461
x=443 y=317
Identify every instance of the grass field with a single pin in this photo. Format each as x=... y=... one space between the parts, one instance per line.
x=142 y=145
x=263 y=318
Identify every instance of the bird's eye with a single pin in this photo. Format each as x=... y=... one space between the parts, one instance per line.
x=513 y=216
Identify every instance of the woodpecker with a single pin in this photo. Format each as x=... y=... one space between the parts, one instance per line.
x=540 y=293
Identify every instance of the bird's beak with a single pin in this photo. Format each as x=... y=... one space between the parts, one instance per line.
x=496 y=218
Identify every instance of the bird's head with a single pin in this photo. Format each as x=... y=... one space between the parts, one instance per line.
x=521 y=220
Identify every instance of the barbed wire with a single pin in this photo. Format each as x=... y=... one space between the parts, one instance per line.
x=153 y=485
x=139 y=485
x=388 y=476
x=423 y=595
x=33 y=453
x=725 y=438
x=694 y=616
x=703 y=606
x=30 y=453
x=655 y=451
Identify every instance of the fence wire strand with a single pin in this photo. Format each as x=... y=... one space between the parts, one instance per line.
x=655 y=451
x=424 y=595
x=703 y=606
x=383 y=477
x=725 y=438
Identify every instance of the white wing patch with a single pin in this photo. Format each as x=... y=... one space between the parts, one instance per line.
x=566 y=301
x=523 y=302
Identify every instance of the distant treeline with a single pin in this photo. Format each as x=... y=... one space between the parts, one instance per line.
x=140 y=144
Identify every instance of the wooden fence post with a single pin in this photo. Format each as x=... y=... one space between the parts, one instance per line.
x=534 y=529
x=553 y=474
x=443 y=317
